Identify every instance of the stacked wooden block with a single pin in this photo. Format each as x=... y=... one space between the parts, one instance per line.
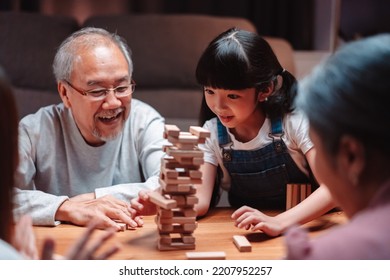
x=180 y=171
x=296 y=193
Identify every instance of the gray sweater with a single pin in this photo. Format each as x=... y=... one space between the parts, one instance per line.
x=56 y=163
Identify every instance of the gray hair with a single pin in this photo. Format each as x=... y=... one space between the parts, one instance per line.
x=349 y=94
x=85 y=38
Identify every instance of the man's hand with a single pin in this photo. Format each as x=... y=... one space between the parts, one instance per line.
x=142 y=204
x=104 y=210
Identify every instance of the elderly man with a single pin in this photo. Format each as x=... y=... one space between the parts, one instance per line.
x=87 y=157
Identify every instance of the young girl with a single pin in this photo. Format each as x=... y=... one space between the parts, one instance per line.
x=258 y=142
x=345 y=101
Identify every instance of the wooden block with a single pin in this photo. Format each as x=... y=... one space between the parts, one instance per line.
x=184 y=228
x=177 y=189
x=164 y=213
x=123 y=226
x=129 y=227
x=165 y=239
x=171 y=162
x=192 y=189
x=189 y=227
x=191 y=200
x=242 y=244
x=185 y=146
x=289 y=188
x=165 y=228
x=169 y=173
x=175 y=246
x=166 y=147
x=184 y=139
x=217 y=255
x=177 y=220
x=182 y=181
x=302 y=192
x=172 y=130
x=161 y=201
x=195 y=174
x=295 y=195
x=168 y=238
x=202 y=140
x=308 y=190
x=180 y=200
x=189 y=212
x=188 y=238
x=182 y=189
x=175 y=240
x=199 y=131
x=176 y=153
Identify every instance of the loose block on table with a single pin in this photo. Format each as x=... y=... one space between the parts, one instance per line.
x=242 y=244
x=217 y=255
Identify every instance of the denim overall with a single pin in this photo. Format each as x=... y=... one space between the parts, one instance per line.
x=259 y=177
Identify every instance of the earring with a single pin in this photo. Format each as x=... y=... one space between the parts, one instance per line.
x=266 y=99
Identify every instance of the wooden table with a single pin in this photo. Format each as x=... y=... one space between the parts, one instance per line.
x=214 y=233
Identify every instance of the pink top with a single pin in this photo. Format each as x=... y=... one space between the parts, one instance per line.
x=366 y=236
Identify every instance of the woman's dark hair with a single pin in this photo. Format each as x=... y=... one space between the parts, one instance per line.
x=8 y=155
x=239 y=59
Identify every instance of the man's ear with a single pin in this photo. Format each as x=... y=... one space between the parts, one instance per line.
x=352 y=158
x=63 y=91
x=265 y=93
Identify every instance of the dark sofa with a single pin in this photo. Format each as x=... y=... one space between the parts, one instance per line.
x=165 y=52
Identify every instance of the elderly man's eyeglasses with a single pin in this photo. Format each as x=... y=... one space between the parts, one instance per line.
x=101 y=93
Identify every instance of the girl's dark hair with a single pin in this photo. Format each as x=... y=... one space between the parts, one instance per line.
x=8 y=155
x=239 y=59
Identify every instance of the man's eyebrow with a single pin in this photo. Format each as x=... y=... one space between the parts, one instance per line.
x=122 y=79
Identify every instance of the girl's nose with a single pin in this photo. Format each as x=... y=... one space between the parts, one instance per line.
x=220 y=103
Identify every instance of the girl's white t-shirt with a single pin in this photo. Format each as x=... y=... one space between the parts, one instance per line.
x=296 y=138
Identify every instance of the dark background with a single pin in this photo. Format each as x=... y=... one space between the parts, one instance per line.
x=293 y=20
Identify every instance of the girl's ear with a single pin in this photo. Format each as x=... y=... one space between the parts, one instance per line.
x=265 y=93
x=62 y=90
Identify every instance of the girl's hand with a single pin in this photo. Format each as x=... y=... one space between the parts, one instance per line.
x=250 y=218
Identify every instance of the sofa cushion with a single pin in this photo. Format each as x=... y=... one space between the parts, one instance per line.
x=166 y=48
x=30 y=100
x=284 y=52
x=28 y=42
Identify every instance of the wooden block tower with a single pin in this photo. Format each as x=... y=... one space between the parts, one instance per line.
x=176 y=216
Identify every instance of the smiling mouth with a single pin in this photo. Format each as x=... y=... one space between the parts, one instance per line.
x=225 y=118
x=109 y=116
